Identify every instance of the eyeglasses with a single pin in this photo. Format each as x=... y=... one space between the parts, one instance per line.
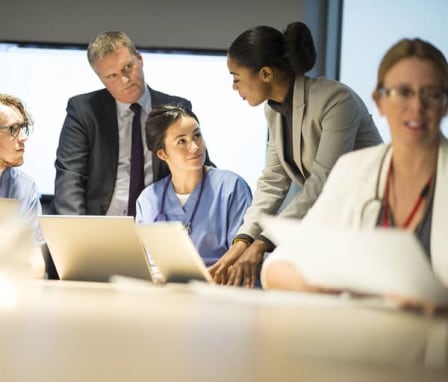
x=429 y=96
x=15 y=130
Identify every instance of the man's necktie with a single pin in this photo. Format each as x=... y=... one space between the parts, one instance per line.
x=137 y=176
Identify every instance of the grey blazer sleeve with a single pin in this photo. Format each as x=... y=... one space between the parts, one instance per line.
x=329 y=119
x=272 y=187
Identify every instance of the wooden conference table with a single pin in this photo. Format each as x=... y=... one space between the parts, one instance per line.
x=129 y=331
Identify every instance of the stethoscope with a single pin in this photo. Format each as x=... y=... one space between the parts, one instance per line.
x=377 y=201
x=163 y=216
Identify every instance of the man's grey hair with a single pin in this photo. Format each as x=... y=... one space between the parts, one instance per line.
x=108 y=42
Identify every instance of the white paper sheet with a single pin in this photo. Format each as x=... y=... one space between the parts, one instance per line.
x=376 y=261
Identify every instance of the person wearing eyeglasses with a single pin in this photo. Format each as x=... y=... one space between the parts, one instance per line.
x=95 y=155
x=209 y=202
x=311 y=122
x=15 y=122
x=403 y=184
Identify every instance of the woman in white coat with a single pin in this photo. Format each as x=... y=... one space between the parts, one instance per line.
x=404 y=184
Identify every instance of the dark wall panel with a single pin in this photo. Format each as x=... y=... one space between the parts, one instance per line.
x=206 y=24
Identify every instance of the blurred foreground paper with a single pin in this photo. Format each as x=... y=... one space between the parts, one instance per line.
x=15 y=254
x=376 y=261
x=8 y=208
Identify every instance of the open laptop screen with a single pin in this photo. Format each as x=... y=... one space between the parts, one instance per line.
x=94 y=248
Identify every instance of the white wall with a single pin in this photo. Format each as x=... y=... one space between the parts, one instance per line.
x=235 y=133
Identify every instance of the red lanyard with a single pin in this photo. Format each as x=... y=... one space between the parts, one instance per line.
x=385 y=218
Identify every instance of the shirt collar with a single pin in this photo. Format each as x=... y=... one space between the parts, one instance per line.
x=144 y=101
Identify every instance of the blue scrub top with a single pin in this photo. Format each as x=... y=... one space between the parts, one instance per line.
x=220 y=211
x=15 y=184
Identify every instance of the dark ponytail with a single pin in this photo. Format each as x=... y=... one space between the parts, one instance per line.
x=261 y=46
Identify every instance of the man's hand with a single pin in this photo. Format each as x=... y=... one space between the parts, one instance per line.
x=219 y=270
x=245 y=270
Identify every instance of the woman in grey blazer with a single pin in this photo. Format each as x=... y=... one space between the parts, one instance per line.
x=311 y=121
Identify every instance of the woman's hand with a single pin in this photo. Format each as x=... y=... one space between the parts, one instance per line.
x=245 y=270
x=428 y=308
x=219 y=270
x=282 y=275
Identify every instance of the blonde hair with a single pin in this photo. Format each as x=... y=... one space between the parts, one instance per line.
x=16 y=103
x=108 y=42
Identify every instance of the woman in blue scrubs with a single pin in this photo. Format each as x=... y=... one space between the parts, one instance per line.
x=210 y=202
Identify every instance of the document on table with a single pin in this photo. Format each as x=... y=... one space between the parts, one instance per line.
x=376 y=261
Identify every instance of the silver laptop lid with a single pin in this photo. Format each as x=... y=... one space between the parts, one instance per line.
x=94 y=248
x=173 y=252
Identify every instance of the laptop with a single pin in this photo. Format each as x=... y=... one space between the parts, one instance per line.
x=173 y=252
x=94 y=248
x=375 y=261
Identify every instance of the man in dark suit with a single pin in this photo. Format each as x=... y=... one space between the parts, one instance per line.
x=94 y=153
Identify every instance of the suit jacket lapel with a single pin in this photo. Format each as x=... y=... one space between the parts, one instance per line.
x=297 y=119
x=276 y=132
x=108 y=118
x=274 y=120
